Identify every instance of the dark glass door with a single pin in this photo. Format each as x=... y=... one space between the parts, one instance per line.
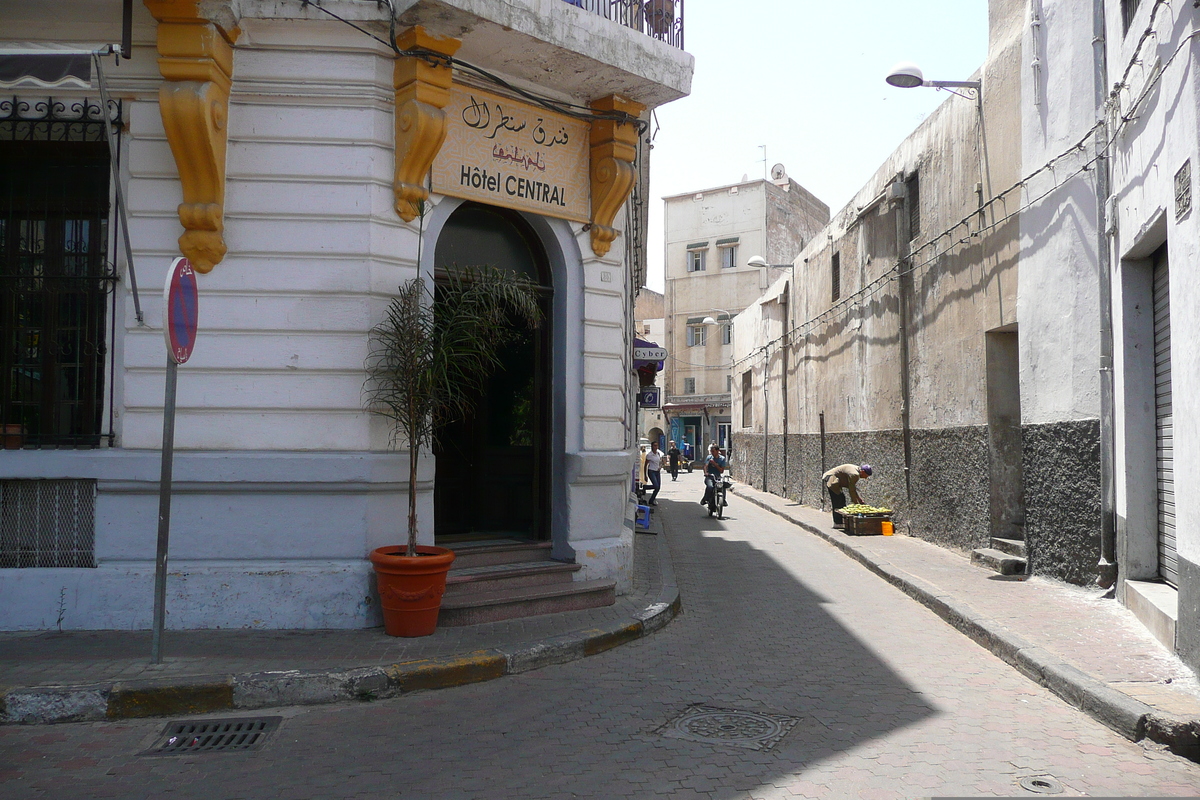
x=491 y=478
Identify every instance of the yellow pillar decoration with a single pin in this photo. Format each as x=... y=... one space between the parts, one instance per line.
x=195 y=57
x=614 y=150
x=422 y=91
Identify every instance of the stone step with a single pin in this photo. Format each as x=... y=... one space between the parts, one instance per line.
x=998 y=561
x=482 y=554
x=525 y=601
x=490 y=577
x=1014 y=547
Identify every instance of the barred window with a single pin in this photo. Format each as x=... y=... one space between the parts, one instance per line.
x=689 y=385
x=55 y=277
x=47 y=523
x=747 y=399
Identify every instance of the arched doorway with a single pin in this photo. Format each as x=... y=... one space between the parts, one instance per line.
x=492 y=477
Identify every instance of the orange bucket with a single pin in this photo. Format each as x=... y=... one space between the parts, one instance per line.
x=887 y=529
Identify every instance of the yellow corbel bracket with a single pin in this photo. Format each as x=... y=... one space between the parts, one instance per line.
x=195 y=56
x=422 y=91
x=614 y=150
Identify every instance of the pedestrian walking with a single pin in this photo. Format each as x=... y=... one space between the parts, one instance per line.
x=673 y=455
x=654 y=470
x=841 y=479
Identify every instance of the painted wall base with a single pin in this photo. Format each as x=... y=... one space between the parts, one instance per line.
x=281 y=594
x=1187 y=629
x=950 y=503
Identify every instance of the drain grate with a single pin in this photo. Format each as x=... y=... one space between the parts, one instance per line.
x=1041 y=784
x=752 y=730
x=213 y=735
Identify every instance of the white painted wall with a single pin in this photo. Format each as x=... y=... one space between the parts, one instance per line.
x=1058 y=285
x=1159 y=97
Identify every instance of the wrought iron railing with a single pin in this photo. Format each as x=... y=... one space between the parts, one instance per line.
x=661 y=19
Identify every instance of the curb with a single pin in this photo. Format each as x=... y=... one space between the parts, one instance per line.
x=215 y=693
x=1128 y=716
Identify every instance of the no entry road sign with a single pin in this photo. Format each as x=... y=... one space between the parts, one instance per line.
x=182 y=299
x=181 y=313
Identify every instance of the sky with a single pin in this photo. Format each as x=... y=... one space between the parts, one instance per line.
x=806 y=79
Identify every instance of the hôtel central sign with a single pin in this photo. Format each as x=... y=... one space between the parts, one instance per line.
x=512 y=154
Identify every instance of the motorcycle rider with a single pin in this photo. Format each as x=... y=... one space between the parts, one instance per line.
x=714 y=465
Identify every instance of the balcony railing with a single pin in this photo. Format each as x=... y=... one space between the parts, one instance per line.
x=661 y=19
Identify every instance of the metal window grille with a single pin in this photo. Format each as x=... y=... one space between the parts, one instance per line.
x=836 y=275
x=56 y=283
x=47 y=523
x=913 y=186
x=747 y=399
x=689 y=385
x=1128 y=11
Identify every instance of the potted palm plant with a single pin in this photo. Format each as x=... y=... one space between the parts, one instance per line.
x=429 y=361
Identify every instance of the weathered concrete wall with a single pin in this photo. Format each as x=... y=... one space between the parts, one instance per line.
x=1062 y=499
x=949 y=477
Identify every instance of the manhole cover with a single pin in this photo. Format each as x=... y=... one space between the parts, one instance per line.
x=1041 y=784
x=749 y=729
x=213 y=735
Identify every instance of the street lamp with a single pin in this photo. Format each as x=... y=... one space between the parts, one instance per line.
x=760 y=262
x=711 y=320
x=907 y=75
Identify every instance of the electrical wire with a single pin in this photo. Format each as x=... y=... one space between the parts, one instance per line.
x=1103 y=149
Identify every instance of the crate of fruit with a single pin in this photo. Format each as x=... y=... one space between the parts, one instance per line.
x=863 y=520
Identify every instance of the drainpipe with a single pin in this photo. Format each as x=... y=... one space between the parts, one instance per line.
x=1035 y=34
x=824 y=467
x=1107 y=567
x=766 y=412
x=903 y=290
x=784 y=352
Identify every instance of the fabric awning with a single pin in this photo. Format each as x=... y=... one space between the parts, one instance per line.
x=47 y=66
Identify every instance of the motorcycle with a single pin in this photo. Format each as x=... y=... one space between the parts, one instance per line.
x=717 y=497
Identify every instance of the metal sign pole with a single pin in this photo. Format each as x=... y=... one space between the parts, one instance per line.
x=164 y=512
x=181 y=301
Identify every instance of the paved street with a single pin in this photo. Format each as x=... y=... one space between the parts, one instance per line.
x=889 y=702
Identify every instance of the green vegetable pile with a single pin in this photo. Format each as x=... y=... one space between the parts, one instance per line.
x=859 y=508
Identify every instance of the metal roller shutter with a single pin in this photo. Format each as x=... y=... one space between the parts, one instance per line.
x=1168 y=567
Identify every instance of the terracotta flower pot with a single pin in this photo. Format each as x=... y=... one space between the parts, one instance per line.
x=410 y=589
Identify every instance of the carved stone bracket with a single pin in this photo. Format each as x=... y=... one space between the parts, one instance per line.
x=195 y=56
x=422 y=91
x=614 y=150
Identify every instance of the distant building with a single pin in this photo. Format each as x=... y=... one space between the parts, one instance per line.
x=710 y=235
x=648 y=325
